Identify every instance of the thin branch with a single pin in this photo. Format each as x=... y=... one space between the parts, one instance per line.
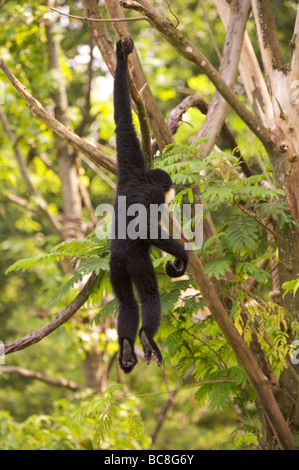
x=86 y=114
x=167 y=405
x=100 y=20
x=38 y=376
x=74 y=140
x=85 y=195
x=206 y=18
x=21 y=202
x=61 y=318
x=97 y=170
x=158 y=126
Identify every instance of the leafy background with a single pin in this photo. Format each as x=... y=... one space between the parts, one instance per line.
x=215 y=406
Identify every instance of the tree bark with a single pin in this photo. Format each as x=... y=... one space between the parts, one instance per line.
x=252 y=77
x=218 y=107
x=284 y=150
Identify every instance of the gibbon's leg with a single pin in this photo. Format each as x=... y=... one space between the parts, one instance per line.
x=144 y=277
x=128 y=317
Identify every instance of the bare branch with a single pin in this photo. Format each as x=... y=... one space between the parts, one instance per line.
x=75 y=141
x=177 y=39
x=97 y=170
x=252 y=77
x=210 y=30
x=61 y=318
x=86 y=114
x=100 y=20
x=21 y=202
x=158 y=126
x=38 y=376
x=228 y=70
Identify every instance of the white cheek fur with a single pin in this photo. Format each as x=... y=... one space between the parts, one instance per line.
x=169 y=195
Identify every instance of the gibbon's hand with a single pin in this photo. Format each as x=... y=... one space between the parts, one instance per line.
x=176 y=268
x=124 y=46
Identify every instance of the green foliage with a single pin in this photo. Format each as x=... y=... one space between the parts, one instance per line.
x=247 y=440
x=108 y=410
x=46 y=418
x=87 y=255
x=74 y=425
x=291 y=286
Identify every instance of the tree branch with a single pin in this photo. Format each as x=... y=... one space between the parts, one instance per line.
x=175 y=117
x=268 y=40
x=228 y=70
x=244 y=355
x=61 y=318
x=177 y=39
x=38 y=376
x=100 y=20
x=252 y=77
x=75 y=141
x=86 y=113
x=158 y=126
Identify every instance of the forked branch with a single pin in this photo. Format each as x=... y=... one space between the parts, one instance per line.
x=179 y=41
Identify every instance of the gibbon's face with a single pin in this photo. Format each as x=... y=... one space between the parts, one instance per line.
x=169 y=195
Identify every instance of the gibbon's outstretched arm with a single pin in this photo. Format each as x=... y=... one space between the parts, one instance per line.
x=129 y=153
x=165 y=243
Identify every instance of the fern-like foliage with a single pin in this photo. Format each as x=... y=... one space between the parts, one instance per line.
x=87 y=255
x=136 y=427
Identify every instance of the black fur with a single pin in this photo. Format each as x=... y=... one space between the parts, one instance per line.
x=130 y=260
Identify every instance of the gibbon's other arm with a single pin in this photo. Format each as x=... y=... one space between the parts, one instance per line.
x=165 y=243
x=129 y=153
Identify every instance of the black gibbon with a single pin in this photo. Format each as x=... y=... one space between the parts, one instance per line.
x=130 y=261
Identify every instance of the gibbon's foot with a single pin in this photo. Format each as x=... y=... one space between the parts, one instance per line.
x=176 y=268
x=150 y=348
x=128 y=358
x=124 y=46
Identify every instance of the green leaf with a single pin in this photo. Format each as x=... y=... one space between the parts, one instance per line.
x=242 y=234
x=217 y=267
x=136 y=427
x=291 y=286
